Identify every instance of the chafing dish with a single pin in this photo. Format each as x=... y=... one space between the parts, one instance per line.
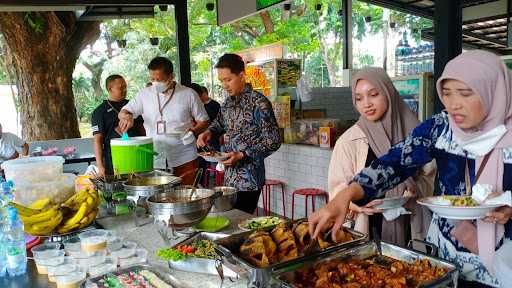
x=285 y=277
x=228 y=249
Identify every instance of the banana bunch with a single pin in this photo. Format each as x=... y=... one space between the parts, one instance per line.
x=43 y=217
x=83 y=207
x=39 y=221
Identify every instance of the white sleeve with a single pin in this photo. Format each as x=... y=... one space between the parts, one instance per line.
x=15 y=140
x=197 y=107
x=6 y=150
x=135 y=105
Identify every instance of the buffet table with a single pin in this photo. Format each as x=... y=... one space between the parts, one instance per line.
x=147 y=237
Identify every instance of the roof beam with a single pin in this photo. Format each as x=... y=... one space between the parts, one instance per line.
x=86 y=2
x=487 y=10
x=402 y=7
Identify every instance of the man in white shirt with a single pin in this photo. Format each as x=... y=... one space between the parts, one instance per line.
x=169 y=110
x=11 y=146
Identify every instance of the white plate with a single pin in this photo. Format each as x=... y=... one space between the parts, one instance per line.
x=223 y=156
x=392 y=203
x=456 y=212
x=243 y=225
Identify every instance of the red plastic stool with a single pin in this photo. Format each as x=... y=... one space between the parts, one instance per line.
x=219 y=177
x=313 y=192
x=267 y=188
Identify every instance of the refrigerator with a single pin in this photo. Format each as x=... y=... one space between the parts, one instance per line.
x=418 y=92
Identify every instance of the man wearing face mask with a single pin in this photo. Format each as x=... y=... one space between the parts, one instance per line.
x=168 y=110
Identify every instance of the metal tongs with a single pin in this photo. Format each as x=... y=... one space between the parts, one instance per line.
x=379 y=259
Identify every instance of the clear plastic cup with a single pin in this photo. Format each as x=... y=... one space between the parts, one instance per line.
x=128 y=250
x=140 y=256
x=72 y=244
x=94 y=240
x=95 y=259
x=68 y=266
x=71 y=280
x=114 y=243
x=109 y=265
x=45 y=250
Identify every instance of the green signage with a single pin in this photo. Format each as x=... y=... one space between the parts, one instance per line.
x=262 y=4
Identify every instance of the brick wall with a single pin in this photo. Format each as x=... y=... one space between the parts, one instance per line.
x=298 y=166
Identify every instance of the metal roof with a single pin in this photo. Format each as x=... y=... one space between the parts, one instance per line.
x=479 y=30
x=90 y=10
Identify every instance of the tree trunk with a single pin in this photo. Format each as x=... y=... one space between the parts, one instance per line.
x=331 y=70
x=44 y=61
x=96 y=71
x=267 y=22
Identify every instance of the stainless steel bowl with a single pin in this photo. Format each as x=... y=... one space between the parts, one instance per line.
x=148 y=186
x=178 y=210
x=226 y=201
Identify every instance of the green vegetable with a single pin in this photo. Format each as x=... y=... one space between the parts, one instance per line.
x=263 y=223
x=171 y=254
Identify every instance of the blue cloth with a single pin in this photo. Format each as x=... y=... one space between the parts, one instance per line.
x=433 y=139
x=248 y=124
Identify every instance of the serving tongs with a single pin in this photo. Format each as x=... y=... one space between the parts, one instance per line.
x=379 y=259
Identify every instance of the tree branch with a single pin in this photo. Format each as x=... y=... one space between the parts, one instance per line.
x=267 y=22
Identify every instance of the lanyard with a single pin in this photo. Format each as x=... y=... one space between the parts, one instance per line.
x=160 y=107
x=111 y=106
x=478 y=173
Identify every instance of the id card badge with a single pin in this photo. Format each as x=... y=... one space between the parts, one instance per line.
x=160 y=127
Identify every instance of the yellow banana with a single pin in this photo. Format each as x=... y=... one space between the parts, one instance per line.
x=66 y=229
x=90 y=217
x=90 y=201
x=78 y=215
x=51 y=224
x=24 y=211
x=40 y=204
x=41 y=217
x=29 y=230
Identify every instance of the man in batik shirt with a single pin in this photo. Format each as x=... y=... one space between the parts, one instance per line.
x=250 y=130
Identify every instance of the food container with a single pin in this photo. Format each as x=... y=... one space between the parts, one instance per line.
x=140 y=257
x=68 y=266
x=72 y=245
x=114 y=243
x=59 y=189
x=92 y=260
x=42 y=262
x=109 y=265
x=71 y=280
x=200 y=265
x=226 y=201
x=42 y=253
x=93 y=282
x=126 y=251
x=285 y=277
x=93 y=240
x=229 y=250
x=33 y=169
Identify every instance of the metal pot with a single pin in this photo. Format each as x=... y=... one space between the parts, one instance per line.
x=178 y=210
x=226 y=201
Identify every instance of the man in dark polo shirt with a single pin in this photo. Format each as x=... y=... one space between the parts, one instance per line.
x=105 y=123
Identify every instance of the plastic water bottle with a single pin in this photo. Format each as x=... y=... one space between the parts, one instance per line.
x=15 y=244
x=3 y=221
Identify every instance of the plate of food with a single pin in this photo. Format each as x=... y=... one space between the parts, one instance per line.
x=457 y=207
x=260 y=223
x=392 y=203
x=214 y=156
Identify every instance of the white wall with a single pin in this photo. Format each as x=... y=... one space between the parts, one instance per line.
x=8 y=111
x=298 y=166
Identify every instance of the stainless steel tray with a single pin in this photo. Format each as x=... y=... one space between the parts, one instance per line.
x=228 y=248
x=201 y=265
x=284 y=277
x=167 y=278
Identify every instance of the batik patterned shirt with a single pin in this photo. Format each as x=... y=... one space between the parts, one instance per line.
x=433 y=139
x=248 y=124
